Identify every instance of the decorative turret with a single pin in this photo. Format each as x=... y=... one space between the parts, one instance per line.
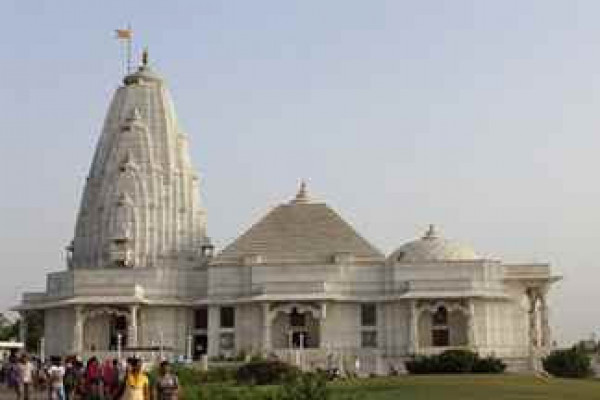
x=431 y=233
x=302 y=196
x=140 y=206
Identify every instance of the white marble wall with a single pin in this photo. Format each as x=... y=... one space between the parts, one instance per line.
x=248 y=328
x=173 y=324
x=58 y=330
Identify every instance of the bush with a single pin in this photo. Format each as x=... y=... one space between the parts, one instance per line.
x=571 y=363
x=489 y=365
x=220 y=392
x=307 y=386
x=454 y=362
x=189 y=376
x=457 y=361
x=266 y=373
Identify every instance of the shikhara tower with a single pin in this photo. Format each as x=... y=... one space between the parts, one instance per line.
x=139 y=254
x=141 y=205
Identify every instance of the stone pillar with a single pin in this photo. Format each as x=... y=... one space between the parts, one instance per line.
x=23 y=327
x=413 y=333
x=267 y=322
x=214 y=322
x=533 y=327
x=546 y=337
x=78 y=330
x=132 y=334
x=534 y=356
x=472 y=338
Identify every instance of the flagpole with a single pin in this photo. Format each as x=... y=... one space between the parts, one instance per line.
x=126 y=36
x=129 y=49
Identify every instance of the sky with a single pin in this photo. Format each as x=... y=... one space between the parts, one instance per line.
x=481 y=117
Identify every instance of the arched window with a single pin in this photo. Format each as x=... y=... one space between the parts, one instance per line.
x=297 y=320
x=440 y=335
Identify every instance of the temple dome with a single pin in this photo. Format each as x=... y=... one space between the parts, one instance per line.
x=432 y=247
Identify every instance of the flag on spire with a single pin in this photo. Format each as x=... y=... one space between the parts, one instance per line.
x=124 y=33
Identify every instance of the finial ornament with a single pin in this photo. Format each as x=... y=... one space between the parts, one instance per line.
x=145 y=57
x=431 y=233
x=302 y=195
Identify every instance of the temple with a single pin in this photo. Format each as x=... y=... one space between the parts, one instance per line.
x=301 y=284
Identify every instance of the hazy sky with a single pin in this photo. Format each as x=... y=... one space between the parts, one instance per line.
x=479 y=116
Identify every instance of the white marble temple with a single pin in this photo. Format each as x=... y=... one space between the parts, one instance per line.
x=301 y=283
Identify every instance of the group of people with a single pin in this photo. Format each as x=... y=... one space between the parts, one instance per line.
x=111 y=379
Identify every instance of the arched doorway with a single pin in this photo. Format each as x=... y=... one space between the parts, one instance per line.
x=103 y=327
x=295 y=327
x=441 y=326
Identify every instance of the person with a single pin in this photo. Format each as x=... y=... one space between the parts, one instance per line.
x=56 y=374
x=108 y=378
x=70 y=379
x=13 y=375
x=93 y=380
x=25 y=376
x=167 y=384
x=116 y=379
x=136 y=382
x=79 y=392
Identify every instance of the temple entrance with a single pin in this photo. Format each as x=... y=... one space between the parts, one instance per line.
x=200 y=346
x=103 y=328
x=295 y=327
x=443 y=327
x=118 y=331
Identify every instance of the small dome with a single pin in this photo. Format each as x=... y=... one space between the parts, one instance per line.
x=432 y=247
x=143 y=74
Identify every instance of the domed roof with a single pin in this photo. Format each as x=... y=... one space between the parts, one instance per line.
x=432 y=247
x=143 y=74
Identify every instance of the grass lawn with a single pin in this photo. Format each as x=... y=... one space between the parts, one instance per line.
x=467 y=387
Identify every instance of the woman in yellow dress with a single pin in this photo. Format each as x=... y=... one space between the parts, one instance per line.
x=136 y=383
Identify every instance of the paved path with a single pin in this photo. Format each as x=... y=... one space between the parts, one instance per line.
x=5 y=394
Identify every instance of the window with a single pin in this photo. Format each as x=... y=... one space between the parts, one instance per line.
x=368 y=314
x=368 y=339
x=297 y=320
x=400 y=256
x=201 y=318
x=227 y=341
x=227 y=317
x=440 y=335
x=440 y=317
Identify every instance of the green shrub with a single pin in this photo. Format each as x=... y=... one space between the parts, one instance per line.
x=222 y=392
x=454 y=362
x=457 y=361
x=307 y=386
x=489 y=365
x=571 y=363
x=264 y=372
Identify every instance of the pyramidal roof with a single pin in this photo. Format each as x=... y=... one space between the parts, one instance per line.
x=302 y=231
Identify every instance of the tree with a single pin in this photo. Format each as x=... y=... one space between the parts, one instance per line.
x=9 y=329
x=34 y=321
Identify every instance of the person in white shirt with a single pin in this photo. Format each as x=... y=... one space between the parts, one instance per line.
x=26 y=375
x=56 y=374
